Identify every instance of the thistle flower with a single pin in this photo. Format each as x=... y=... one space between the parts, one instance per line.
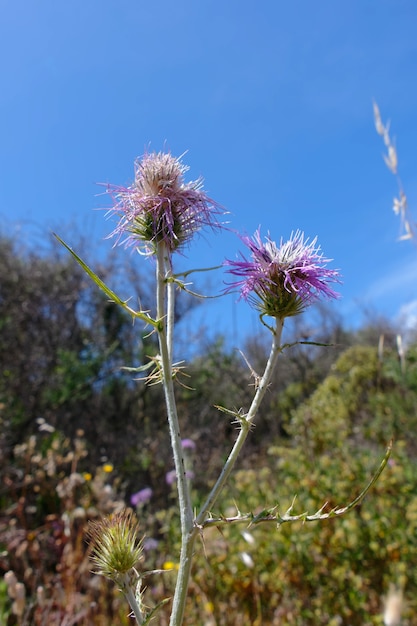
x=188 y=444
x=141 y=497
x=116 y=547
x=171 y=476
x=160 y=206
x=282 y=281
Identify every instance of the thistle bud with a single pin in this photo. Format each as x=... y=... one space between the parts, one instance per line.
x=116 y=547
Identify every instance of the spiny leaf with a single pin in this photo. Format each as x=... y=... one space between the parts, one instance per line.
x=109 y=292
x=154 y=611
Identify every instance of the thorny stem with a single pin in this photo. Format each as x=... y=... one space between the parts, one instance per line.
x=189 y=527
x=131 y=598
x=189 y=537
x=165 y=317
x=273 y=515
x=170 y=318
x=246 y=423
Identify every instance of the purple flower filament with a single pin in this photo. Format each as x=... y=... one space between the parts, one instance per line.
x=160 y=206
x=282 y=281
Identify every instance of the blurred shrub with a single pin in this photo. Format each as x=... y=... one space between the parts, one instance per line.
x=334 y=572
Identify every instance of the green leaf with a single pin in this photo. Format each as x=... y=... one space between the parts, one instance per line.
x=109 y=292
x=154 y=611
x=285 y=346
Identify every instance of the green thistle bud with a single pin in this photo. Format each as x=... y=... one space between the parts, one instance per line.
x=116 y=547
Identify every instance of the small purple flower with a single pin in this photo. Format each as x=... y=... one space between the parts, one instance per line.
x=159 y=206
x=171 y=476
x=187 y=444
x=282 y=281
x=141 y=497
x=149 y=543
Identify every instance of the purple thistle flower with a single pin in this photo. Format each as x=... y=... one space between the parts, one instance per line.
x=187 y=444
x=141 y=497
x=282 y=281
x=171 y=476
x=159 y=206
x=149 y=543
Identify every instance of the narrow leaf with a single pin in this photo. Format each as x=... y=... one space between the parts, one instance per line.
x=113 y=297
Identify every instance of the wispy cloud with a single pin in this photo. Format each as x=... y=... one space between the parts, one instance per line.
x=397 y=283
x=408 y=315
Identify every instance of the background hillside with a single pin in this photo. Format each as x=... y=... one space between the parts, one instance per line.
x=81 y=438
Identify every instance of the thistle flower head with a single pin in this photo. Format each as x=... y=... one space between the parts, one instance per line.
x=160 y=206
x=141 y=497
x=116 y=547
x=283 y=280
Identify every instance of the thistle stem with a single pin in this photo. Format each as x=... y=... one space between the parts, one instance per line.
x=245 y=424
x=189 y=527
x=170 y=287
x=165 y=316
x=131 y=598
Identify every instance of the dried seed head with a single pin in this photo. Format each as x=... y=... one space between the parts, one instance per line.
x=391 y=160
x=380 y=128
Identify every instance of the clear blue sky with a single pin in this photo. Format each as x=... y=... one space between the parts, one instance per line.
x=272 y=100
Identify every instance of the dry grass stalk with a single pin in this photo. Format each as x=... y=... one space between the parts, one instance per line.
x=400 y=204
x=394 y=603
